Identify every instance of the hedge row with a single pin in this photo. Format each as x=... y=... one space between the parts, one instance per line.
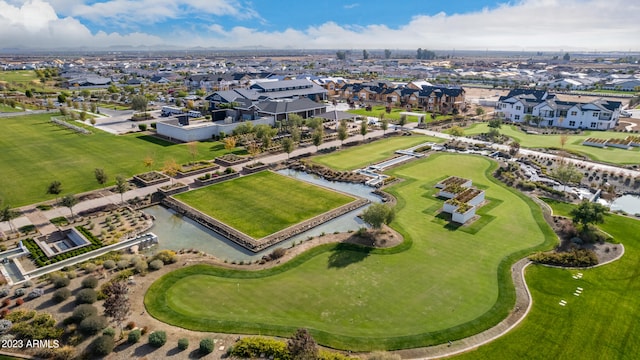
x=39 y=256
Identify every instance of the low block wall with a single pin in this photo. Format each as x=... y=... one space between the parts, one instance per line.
x=247 y=241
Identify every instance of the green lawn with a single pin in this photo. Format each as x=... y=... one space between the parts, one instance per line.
x=395 y=114
x=19 y=76
x=35 y=152
x=442 y=283
x=263 y=203
x=603 y=323
x=362 y=156
x=7 y=108
x=574 y=143
x=114 y=106
x=560 y=208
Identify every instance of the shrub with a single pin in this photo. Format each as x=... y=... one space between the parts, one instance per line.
x=35 y=293
x=4 y=313
x=6 y=302
x=61 y=295
x=102 y=345
x=131 y=325
x=278 y=253
x=574 y=258
x=156 y=265
x=140 y=267
x=83 y=311
x=253 y=347
x=109 y=264
x=145 y=329
x=109 y=331
x=206 y=346
x=89 y=267
x=60 y=281
x=86 y=296
x=5 y=291
x=27 y=284
x=166 y=256
x=183 y=344
x=122 y=264
x=19 y=302
x=134 y=337
x=92 y=325
x=90 y=282
x=157 y=338
x=5 y=326
x=19 y=292
x=142 y=127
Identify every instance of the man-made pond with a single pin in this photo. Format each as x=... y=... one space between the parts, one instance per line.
x=176 y=232
x=627 y=203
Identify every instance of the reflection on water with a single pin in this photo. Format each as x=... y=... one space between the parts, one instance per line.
x=176 y=232
x=627 y=203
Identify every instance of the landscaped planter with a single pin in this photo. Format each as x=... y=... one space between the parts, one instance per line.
x=216 y=179
x=254 y=168
x=463 y=214
x=198 y=168
x=450 y=206
x=601 y=143
x=173 y=189
x=231 y=159
x=151 y=178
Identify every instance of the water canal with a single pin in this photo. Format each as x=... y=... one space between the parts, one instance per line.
x=176 y=232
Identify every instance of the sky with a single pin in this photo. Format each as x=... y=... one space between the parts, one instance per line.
x=517 y=25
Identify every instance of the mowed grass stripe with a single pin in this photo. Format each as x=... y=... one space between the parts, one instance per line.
x=263 y=203
x=362 y=156
x=34 y=152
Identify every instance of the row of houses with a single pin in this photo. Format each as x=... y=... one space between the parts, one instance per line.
x=527 y=105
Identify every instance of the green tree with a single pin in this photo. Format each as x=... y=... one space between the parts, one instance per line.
x=402 y=121
x=378 y=214
x=588 y=212
x=387 y=54
x=566 y=57
x=480 y=112
x=317 y=137
x=122 y=186
x=69 y=201
x=494 y=134
x=55 y=188
x=566 y=173
x=302 y=346
x=365 y=54
x=343 y=132
x=364 y=128
x=341 y=55
x=288 y=145
x=384 y=124
x=101 y=176
x=295 y=134
x=495 y=124
x=28 y=93
x=139 y=103
x=456 y=131
x=514 y=148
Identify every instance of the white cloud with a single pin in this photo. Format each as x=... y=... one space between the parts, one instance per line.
x=350 y=6
x=141 y=12
x=35 y=24
x=527 y=24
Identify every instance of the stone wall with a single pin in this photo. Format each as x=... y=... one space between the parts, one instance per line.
x=247 y=241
